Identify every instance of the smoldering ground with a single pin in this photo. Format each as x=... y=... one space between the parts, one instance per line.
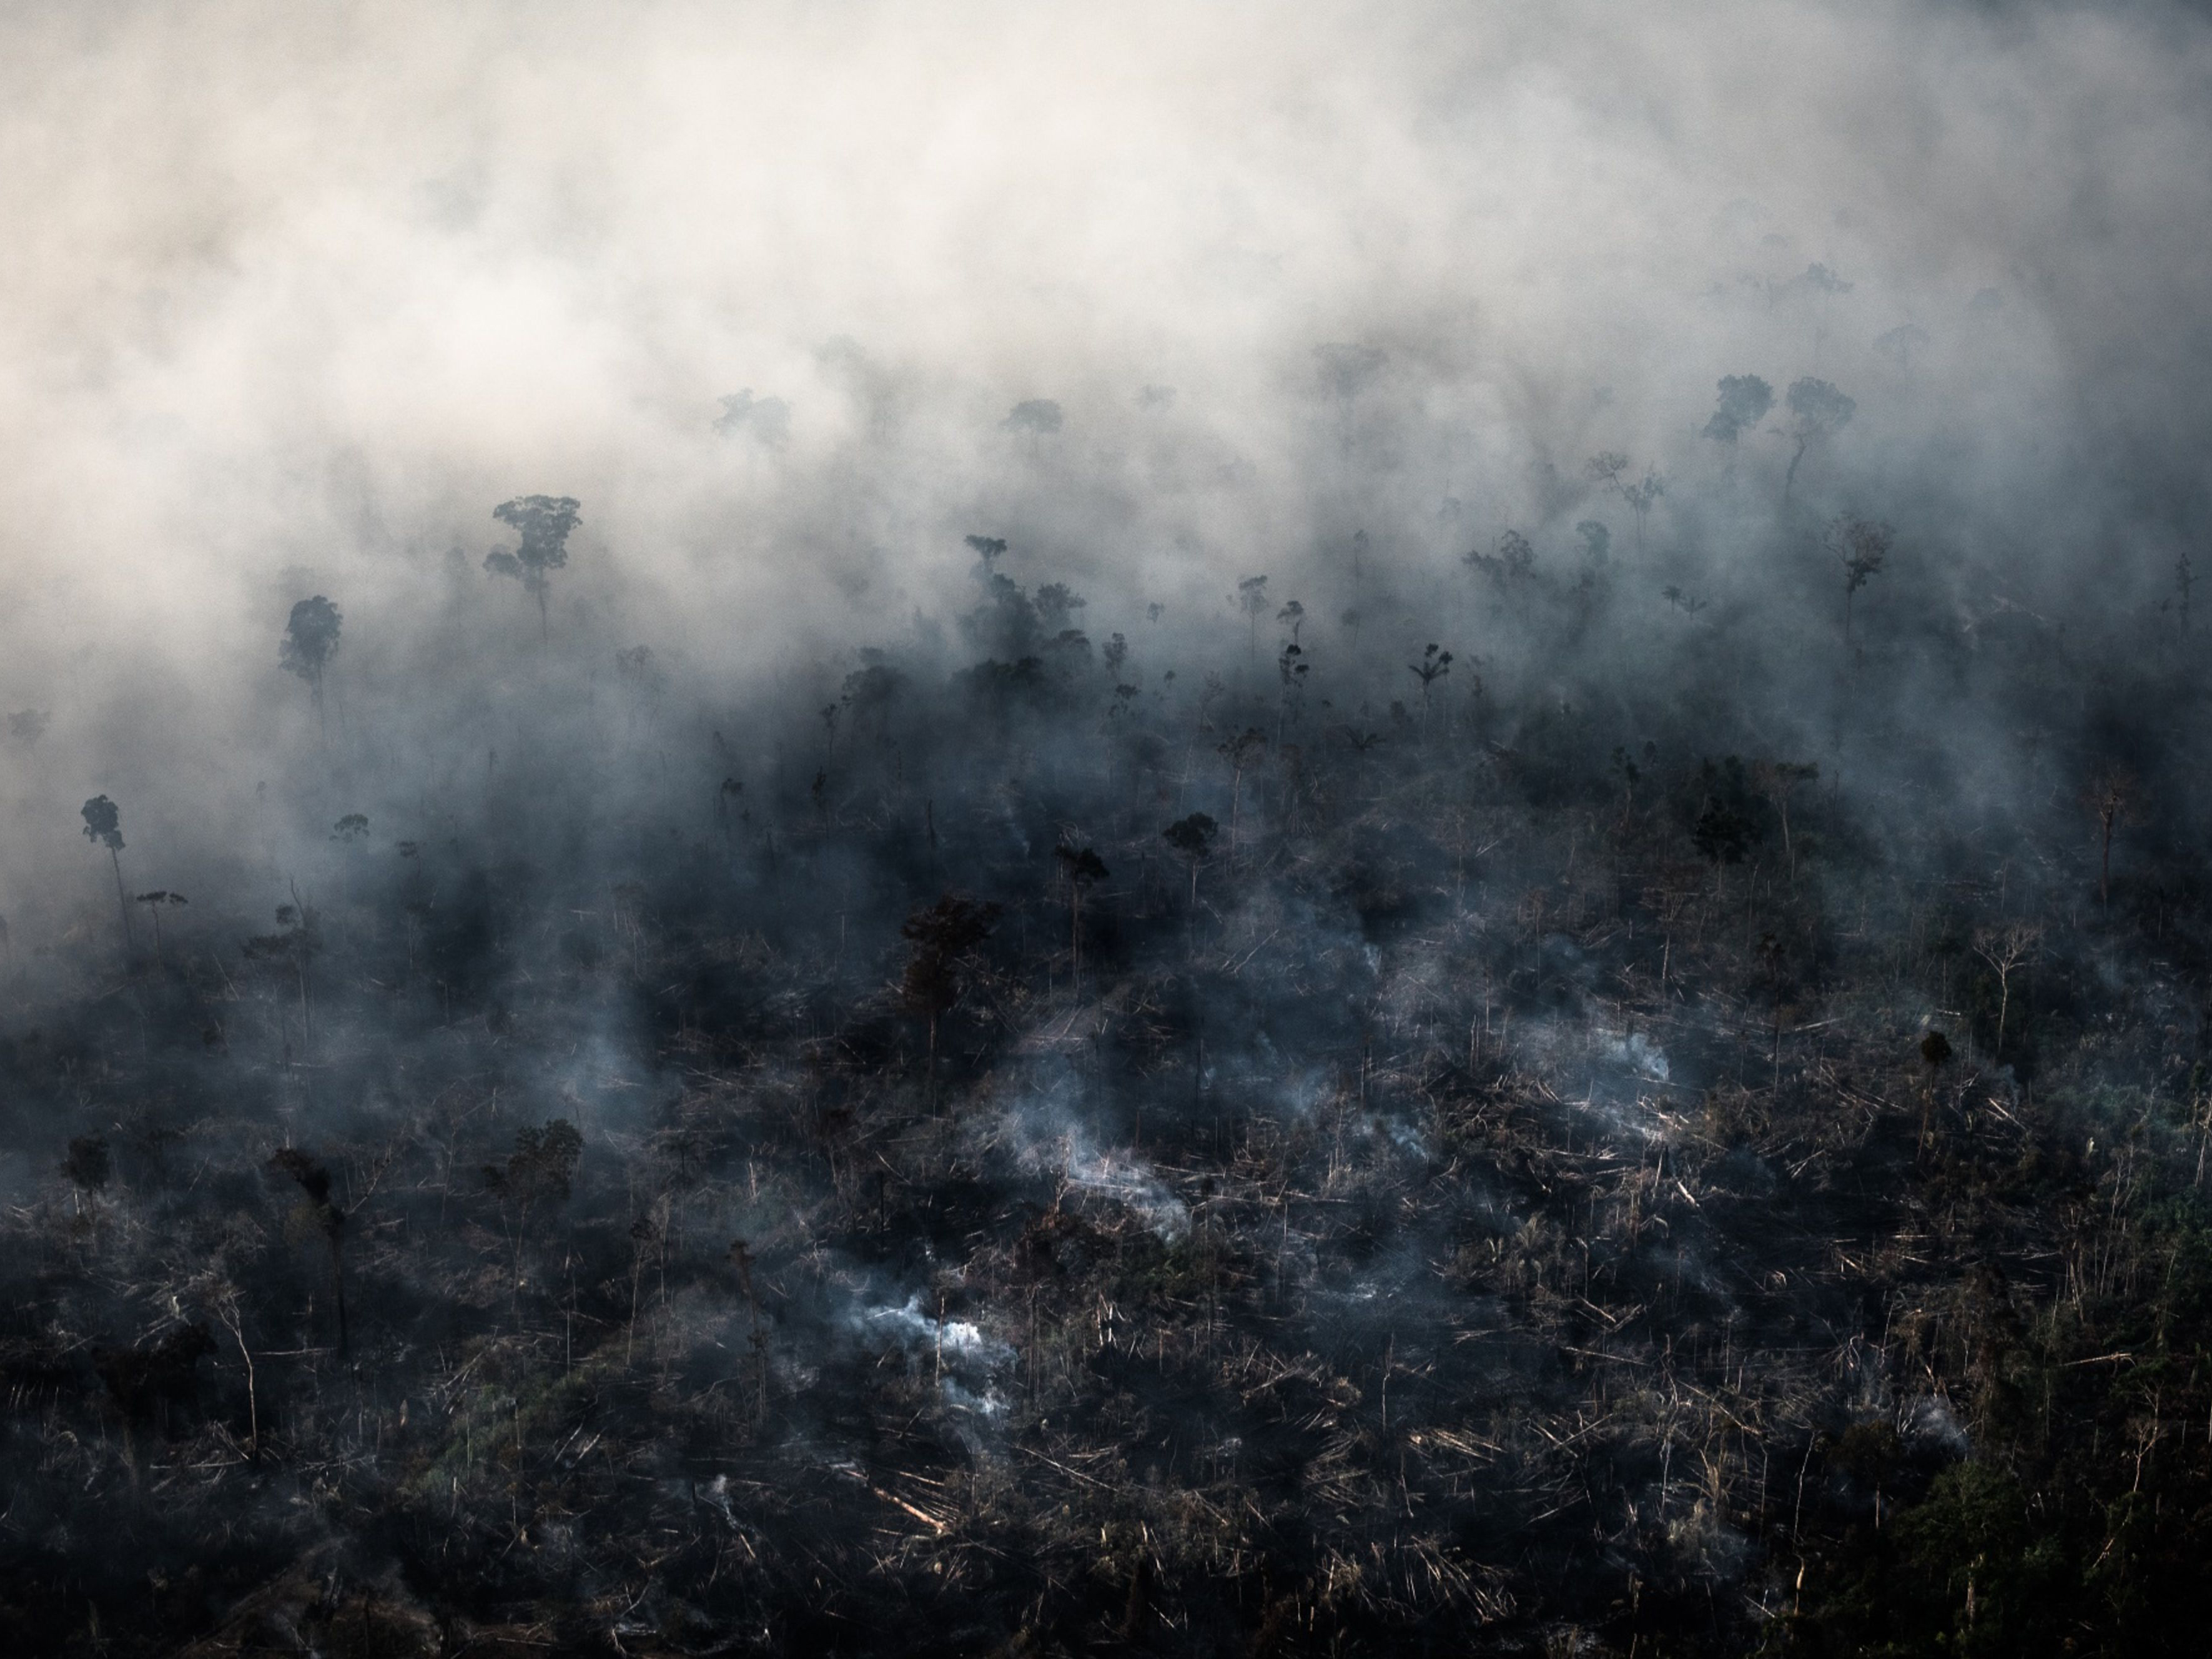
x=1337 y=829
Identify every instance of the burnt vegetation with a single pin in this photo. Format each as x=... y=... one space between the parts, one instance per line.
x=1638 y=1149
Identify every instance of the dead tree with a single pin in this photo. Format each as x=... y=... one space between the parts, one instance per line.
x=1239 y=751
x=103 y=827
x=2110 y=799
x=2006 y=949
x=1778 y=780
x=1085 y=869
x=156 y=901
x=299 y=941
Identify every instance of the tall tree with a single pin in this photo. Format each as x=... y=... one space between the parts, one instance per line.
x=1192 y=838
x=103 y=827
x=1434 y=665
x=543 y=523
x=1239 y=751
x=311 y=638
x=1778 y=780
x=1818 y=412
x=1859 y=546
x=1252 y=600
x=2110 y=799
x=1744 y=401
x=1085 y=869
x=2005 y=949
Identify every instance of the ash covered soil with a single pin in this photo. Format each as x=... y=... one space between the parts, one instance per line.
x=1092 y=1145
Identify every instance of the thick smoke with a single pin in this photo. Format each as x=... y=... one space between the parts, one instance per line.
x=1043 y=772
x=305 y=290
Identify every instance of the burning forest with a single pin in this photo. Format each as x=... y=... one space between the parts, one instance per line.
x=1456 y=986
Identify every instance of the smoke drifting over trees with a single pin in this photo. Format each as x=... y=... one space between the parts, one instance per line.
x=1398 y=850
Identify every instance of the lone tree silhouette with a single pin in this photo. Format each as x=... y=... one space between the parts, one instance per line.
x=1744 y=401
x=2006 y=949
x=1641 y=497
x=1252 y=600
x=1433 y=666
x=1820 y=411
x=1778 y=780
x=1035 y=418
x=154 y=901
x=311 y=638
x=103 y=826
x=1192 y=838
x=1860 y=546
x=988 y=548
x=543 y=523
x=2111 y=798
x=1085 y=869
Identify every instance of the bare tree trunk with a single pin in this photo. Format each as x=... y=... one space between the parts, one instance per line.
x=338 y=1282
x=229 y=1316
x=123 y=903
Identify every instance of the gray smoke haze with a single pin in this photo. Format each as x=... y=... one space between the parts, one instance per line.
x=1280 y=742
x=291 y=296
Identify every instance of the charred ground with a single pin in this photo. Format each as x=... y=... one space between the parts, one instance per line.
x=1618 y=1140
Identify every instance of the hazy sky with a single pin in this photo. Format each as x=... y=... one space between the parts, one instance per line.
x=314 y=286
